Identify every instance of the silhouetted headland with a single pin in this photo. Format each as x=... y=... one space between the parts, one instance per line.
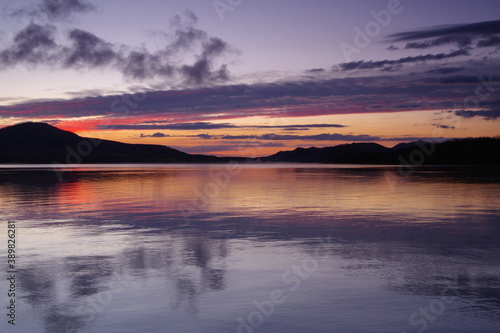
x=40 y=143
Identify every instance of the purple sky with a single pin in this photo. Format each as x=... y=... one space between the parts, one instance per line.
x=220 y=74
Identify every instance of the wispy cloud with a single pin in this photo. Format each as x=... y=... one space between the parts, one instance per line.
x=485 y=114
x=443 y=126
x=279 y=137
x=457 y=34
x=155 y=135
x=315 y=70
x=462 y=37
x=198 y=109
x=461 y=41
x=333 y=137
x=209 y=126
x=385 y=63
x=445 y=70
x=317 y=137
x=173 y=127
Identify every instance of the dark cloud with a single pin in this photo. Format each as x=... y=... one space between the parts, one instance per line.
x=490 y=41
x=35 y=46
x=201 y=72
x=141 y=65
x=392 y=48
x=174 y=126
x=315 y=70
x=297 y=98
x=461 y=41
x=443 y=126
x=458 y=79
x=460 y=35
x=383 y=63
x=204 y=136
x=54 y=9
x=209 y=126
x=308 y=126
x=485 y=114
x=317 y=137
x=477 y=29
x=445 y=70
x=156 y=135
x=88 y=50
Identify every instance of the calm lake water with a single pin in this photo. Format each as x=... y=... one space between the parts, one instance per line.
x=254 y=248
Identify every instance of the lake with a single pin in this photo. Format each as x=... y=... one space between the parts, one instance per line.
x=251 y=248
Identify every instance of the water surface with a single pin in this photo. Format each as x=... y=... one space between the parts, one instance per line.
x=253 y=248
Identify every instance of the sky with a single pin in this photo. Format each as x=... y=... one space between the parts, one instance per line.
x=253 y=77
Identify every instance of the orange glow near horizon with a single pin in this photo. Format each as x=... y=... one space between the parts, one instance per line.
x=416 y=124
x=384 y=125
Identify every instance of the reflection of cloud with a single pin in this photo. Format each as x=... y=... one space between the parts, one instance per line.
x=59 y=319
x=87 y=272
x=419 y=251
x=37 y=282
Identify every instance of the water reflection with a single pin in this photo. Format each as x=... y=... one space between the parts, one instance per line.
x=118 y=244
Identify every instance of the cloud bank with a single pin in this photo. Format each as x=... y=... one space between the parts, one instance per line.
x=199 y=108
x=464 y=38
x=36 y=45
x=461 y=35
x=51 y=10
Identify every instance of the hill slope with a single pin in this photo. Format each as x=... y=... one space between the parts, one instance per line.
x=473 y=151
x=43 y=143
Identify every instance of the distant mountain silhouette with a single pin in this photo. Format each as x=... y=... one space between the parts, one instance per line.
x=42 y=143
x=346 y=153
x=470 y=151
x=45 y=144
